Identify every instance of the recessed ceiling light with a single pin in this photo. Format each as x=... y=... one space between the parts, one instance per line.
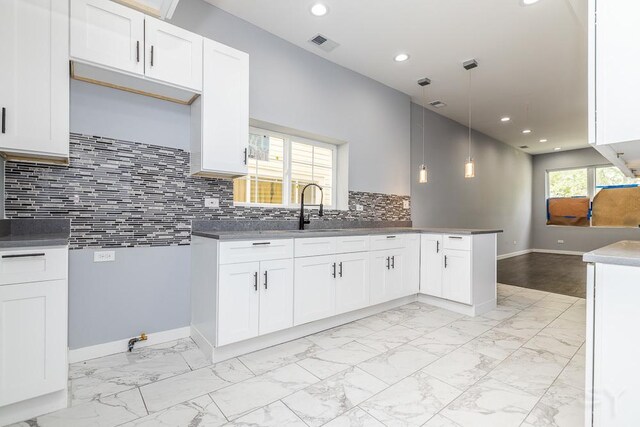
x=319 y=9
x=557 y=149
x=505 y=119
x=526 y=131
x=401 y=57
x=529 y=2
x=543 y=140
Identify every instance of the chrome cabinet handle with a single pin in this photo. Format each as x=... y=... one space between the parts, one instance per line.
x=255 y=281
x=138 y=51
x=393 y=262
x=445 y=261
x=388 y=264
x=265 y=279
x=245 y=156
x=437 y=246
x=334 y=270
x=152 y=55
x=4 y=120
x=340 y=269
x=22 y=255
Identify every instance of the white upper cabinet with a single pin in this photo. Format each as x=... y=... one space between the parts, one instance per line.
x=220 y=117
x=172 y=54
x=108 y=34
x=34 y=79
x=614 y=58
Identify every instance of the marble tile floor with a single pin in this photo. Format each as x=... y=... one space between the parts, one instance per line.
x=417 y=365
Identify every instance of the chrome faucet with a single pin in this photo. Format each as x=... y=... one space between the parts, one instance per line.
x=303 y=221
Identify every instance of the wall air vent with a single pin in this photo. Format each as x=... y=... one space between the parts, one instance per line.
x=437 y=104
x=323 y=42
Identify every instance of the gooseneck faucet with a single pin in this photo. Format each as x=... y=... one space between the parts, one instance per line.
x=303 y=221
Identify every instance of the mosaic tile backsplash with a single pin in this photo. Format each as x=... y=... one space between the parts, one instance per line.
x=126 y=194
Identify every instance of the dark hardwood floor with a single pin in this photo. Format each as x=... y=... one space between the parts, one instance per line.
x=561 y=274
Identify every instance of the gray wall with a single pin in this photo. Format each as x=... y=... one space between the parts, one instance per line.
x=147 y=289
x=294 y=88
x=579 y=239
x=498 y=197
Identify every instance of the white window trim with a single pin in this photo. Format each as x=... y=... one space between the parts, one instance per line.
x=286 y=163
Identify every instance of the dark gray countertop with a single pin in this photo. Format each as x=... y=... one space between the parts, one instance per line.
x=23 y=233
x=289 y=234
x=626 y=252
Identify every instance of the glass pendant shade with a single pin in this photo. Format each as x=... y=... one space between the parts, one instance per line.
x=422 y=175
x=469 y=168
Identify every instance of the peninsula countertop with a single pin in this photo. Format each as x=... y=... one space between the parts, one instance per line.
x=625 y=252
x=292 y=234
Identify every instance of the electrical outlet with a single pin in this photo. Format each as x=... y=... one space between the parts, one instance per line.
x=405 y=204
x=104 y=256
x=76 y=198
x=211 y=202
x=359 y=208
x=561 y=242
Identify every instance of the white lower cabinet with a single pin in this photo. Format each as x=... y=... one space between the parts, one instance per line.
x=33 y=326
x=411 y=270
x=352 y=283
x=255 y=298
x=386 y=275
x=456 y=276
x=432 y=262
x=315 y=290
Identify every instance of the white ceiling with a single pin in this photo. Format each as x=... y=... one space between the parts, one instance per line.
x=532 y=59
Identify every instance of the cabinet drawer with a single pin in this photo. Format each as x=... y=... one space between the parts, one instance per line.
x=386 y=241
x=453 y=241
x=312 y=246
x=352 y=244
x=255 y=250
x=33 y=265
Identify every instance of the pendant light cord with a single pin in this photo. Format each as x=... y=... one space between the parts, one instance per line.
x=423 y=108
x=469 y=105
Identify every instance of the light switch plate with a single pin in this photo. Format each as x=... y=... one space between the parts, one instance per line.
x=405 y=204
x=211 y=202
x=104 y=256
x=560 y=242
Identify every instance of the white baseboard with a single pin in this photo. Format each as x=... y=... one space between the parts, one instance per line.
x=557 y=251
x=119 y=346
x=512 y=254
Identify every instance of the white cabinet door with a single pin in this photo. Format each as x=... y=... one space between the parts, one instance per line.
x=432 y=265
x=107 y=34
x=617 y=57
x=173 y=55
x=380 y=265
x=352 y=284
x=33 y=337
x=276 y=295
x=396 y=274
x=456 y=276
x=411 y=271
x=222 y=146
x=314 y=288
x=238 y=300
x=34 y=78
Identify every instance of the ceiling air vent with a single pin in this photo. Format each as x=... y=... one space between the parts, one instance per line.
x=437 y=104
x=323 y=42
x=524 y=147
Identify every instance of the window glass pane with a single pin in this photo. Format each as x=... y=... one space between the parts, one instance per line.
x=265 y=164
x=611 y=175
x=568 y=183
x=311 y=164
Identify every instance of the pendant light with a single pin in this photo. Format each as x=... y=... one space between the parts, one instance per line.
x=422 y=171
x=469 y=165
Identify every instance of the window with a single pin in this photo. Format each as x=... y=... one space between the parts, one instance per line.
x=592 y=196
x=281 y=165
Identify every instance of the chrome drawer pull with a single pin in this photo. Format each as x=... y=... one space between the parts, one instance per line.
x=391 y=237
x=261 y=243
x=22 y=255
x=455 y=237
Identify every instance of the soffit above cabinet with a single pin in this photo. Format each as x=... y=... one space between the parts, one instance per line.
x=162 y=9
